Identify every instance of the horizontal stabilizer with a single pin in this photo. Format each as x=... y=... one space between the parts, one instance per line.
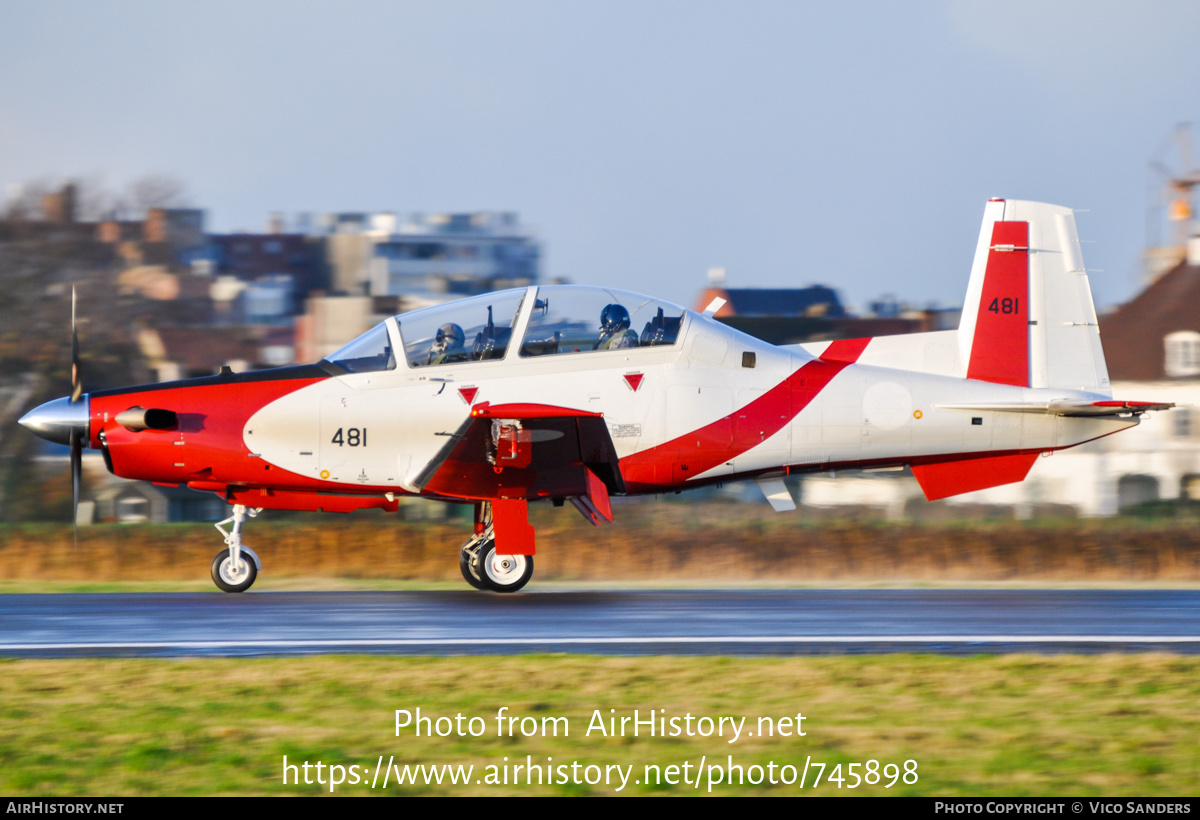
x=1067 y=408
x=946 y=478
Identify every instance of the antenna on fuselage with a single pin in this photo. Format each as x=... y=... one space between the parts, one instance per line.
x=716 y=304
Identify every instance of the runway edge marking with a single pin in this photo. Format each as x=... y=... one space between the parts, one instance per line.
x=724 y=639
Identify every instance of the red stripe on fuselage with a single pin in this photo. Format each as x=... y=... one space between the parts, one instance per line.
x=762 y=418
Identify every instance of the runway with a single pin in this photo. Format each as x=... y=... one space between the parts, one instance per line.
x=696 y=622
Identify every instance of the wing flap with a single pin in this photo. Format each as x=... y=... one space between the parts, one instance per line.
x=594 y=506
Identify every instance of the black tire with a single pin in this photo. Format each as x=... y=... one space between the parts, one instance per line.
x=503 y=573
x=469 y=572
x=227 y=582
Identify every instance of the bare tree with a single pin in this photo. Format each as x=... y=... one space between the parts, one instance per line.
x=94 y=200
x=24 y=200
x=156 y=191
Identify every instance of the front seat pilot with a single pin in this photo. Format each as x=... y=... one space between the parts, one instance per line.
x=614 y=329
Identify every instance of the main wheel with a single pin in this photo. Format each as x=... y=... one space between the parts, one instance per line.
x=231 y=579
x=469 y=564
x=503 y=573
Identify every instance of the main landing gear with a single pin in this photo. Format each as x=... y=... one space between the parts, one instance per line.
x=236 y=567
x=482 y=568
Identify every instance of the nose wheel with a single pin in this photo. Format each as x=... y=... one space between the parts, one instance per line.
x=236 y=567
x=231 y=577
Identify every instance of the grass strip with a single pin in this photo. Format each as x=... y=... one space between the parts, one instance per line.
x=1108 y=725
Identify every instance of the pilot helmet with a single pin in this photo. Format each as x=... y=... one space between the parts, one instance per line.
x=614 y=318
x=449 y=336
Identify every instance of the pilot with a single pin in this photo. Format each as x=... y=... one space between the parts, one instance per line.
x=448 y=345
x=614 y=329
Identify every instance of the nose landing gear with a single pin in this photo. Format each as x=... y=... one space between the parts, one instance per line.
x=235 y=569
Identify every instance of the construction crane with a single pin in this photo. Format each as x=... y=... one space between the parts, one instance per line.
x=1173 y=177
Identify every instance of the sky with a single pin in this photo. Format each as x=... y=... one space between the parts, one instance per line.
x=848 y=144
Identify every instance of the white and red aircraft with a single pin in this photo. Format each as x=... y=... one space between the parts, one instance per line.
x=521 y=395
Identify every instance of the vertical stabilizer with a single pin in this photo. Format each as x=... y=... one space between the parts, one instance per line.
x=1028 y=319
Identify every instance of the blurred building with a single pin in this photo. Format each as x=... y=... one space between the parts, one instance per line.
x=165 y=236
x=60 y=206
x=784 y=316
x=328 y=322
x=137 y=502
x=174 y=353
x=279 y=270
x=50 y=217
x=450 y=254
x=178 y=227
x=1152 y=346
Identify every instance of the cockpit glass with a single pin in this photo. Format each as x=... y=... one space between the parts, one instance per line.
x=368 y=353
x=573 y=319
x=467 y=330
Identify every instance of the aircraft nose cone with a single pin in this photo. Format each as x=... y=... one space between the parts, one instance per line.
x=55 y=420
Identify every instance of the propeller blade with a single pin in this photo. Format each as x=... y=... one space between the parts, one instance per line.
x=76 y=381
x=76 y=440
x=76 y=479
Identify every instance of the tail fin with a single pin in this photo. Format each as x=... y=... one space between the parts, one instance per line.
x=1028 y=319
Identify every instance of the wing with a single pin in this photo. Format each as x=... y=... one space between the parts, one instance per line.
x=527 y=451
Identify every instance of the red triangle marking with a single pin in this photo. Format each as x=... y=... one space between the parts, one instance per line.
x=468 y=394
x=634 y=380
